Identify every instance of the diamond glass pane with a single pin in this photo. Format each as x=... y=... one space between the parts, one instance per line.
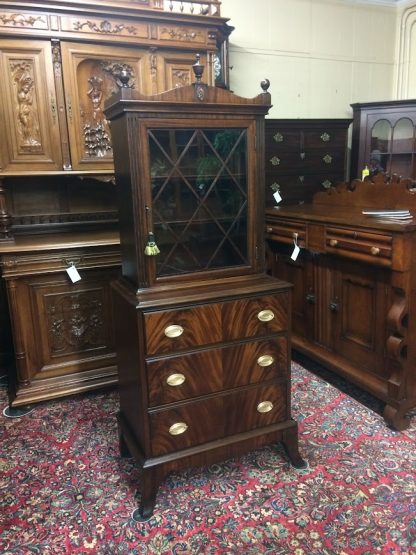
x=199 y=194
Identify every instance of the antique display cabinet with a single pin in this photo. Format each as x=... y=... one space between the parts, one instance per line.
x=60 y=60
x=202 y=332
x=354 y=286
x=384 y=137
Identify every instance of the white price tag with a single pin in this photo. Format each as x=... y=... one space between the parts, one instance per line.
x=277 y=197
x=73 y=274
x=295 y=253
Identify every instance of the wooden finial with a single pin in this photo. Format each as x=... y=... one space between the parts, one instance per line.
x=265 y=84
x=198 y=68
x=124 y=77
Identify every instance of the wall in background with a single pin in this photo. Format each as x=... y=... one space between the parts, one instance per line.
x=319 y=55
x=406 y=70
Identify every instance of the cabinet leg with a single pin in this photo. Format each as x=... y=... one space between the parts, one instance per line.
x=290 y=443
x=150 y=481
x=396 y=418
x=124 y=450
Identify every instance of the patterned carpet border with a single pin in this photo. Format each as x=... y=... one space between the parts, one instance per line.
x=65 y=489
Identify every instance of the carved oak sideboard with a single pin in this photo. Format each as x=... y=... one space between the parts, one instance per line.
x=354 y=303
x=59 y=61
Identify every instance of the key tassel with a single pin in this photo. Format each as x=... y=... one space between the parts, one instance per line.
x=151 y=248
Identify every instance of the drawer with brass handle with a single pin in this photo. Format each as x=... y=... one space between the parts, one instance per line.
x=255 y=316
x=185 y=376
x=203 y=420
x=188 y=328
x=181 y=329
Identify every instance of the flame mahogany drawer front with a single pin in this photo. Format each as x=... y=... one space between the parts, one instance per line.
x=215 y=418
x=374 y=247
x=187 y=328
x=209 y=371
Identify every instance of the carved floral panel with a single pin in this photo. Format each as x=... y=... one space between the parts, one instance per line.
x=75 y=322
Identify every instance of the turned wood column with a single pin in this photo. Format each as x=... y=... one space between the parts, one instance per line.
x=5 y=217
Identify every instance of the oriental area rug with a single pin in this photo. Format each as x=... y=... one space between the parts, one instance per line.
x=65 y=490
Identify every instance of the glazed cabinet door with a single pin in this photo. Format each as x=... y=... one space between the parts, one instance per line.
x=28 y=108
x=91 y=75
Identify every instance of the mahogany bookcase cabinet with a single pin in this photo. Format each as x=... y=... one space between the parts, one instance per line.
x=354 y=307
x=202 y=332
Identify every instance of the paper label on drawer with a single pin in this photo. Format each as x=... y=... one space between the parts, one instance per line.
x=277 y=197
x=73 y=274
x=295 y=252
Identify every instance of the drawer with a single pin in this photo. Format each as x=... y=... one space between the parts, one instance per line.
x=325 y=160
x=286 y=231
x=375 y=248
x=255 y=317
x=206 y=420
x=181 y=329
x=192 y=375
x=185 y=329
x=282 y=138
x=325 y=137
x=302 y=187
x=320 y=137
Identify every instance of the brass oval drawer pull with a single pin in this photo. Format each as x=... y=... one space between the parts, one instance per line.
x=265 y=360
x=178 y=428
x=375 y=251
x=333 y=242
x=265 y=315
x=173 y=331
x=175 y=379
x=264 y=406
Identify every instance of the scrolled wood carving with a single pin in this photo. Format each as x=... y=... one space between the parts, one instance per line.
x=180 y=34
x=397 y=315
x=105 y=26
x=181 y=78
x=17 y=19
x=115 y=69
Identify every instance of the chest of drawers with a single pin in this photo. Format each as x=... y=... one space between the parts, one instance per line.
x=206 y=378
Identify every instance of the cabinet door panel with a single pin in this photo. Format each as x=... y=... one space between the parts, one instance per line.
x=358 y=316
x=299 y=273
x=28 y=112
x=91 y=75
x=66 y=328
x=175 y=70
